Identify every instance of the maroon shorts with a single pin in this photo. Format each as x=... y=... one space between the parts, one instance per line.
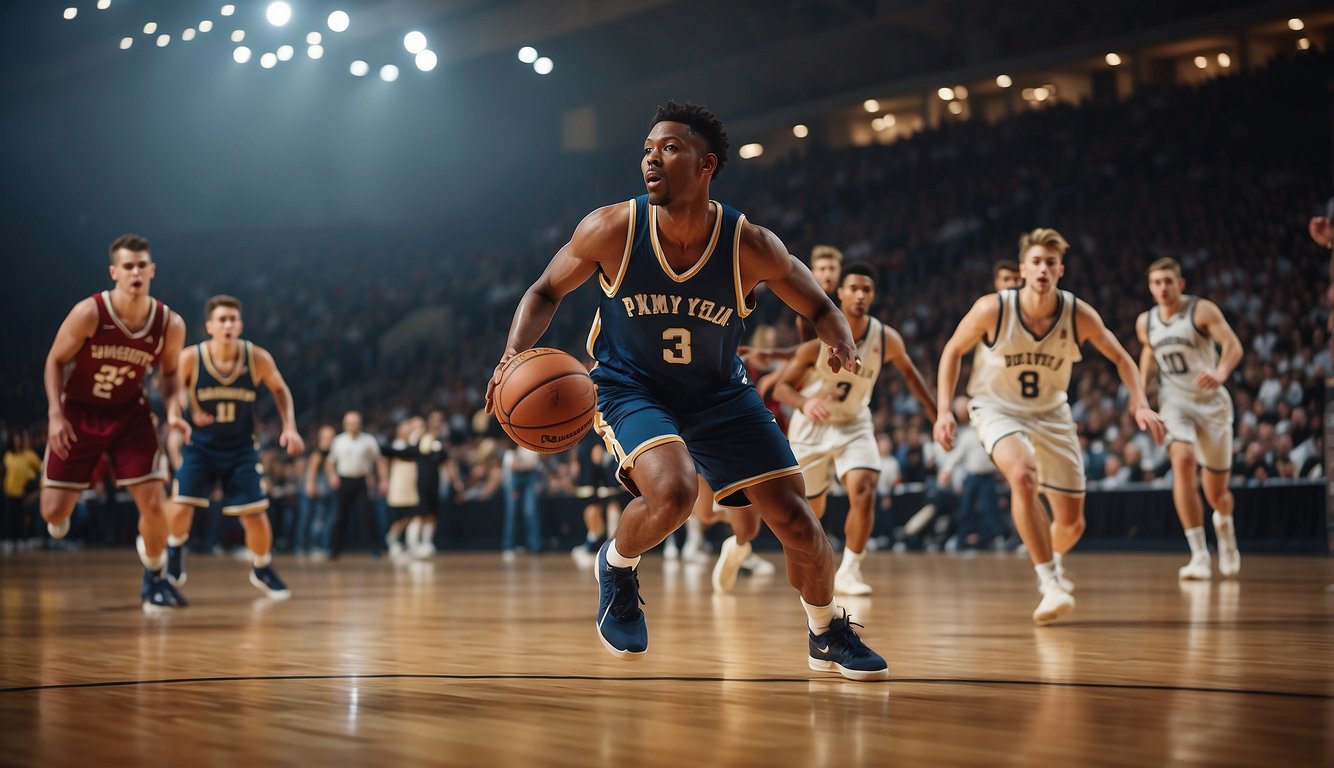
x=124 y=433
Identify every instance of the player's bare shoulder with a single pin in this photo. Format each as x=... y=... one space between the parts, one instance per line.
x=602 y=235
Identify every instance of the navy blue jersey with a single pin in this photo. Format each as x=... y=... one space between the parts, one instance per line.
x=674 y=334
x=229 y=399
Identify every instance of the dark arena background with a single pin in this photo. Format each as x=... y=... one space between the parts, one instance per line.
x=380 y=181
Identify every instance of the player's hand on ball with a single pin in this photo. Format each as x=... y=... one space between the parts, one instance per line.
x=944 y=430
x=1149 y=421
x=495 y=378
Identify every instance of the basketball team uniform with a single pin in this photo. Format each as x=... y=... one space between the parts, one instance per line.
x=846 y=440
x=106 y=405
x=224 y=451
x=1202 y=417
x=1019 y=386
x=667 y=369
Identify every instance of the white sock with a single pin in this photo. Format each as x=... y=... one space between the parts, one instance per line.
x=414 y=533
x=592 y=538
x=1198 y=546
x=616 y=560
x=818 y=617
x=176 y=541
x=694 y=534
x=262 y=561
x=851 y=559
x=1223 y=527
x=427 y=535
x=1046 y=573
x=154 y=564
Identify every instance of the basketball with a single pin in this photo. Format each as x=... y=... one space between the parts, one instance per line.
x=545 y=400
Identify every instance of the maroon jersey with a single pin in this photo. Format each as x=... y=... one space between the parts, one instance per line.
x=113 y=364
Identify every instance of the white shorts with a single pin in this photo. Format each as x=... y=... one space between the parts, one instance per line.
x=1051 y=435
x=828 y=451
x=1207 y=425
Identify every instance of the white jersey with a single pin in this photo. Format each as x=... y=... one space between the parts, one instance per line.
x=848 y=394
x=1019 y=371
x=1182 y=351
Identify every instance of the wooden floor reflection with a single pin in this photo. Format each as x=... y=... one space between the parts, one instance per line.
x=467 y=661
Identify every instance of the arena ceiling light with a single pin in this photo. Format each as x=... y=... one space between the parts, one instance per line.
x=1004 y=81
x=1304 y=44
x=278 y=13
x=314 y=38
x=71 y=12
x=205 y=26
x=286 y=52
x=543 y=66
x=389 y=73
x=415 y=42
x=956 y=108
x=871 y=105
x=1224 y=60
x=126 y=42
x=749 y=151
x=800 y=131
x=238 y=35
x=426 y=60
x=1112 y=59
x=269 y=60
x=241 y=55
x=150 y=27
x=339 y=21
x=188 y=34
x=1296 y=25
x=945 y=94
x=163 y=40
x=315 y=51
x=528 y=54
x=228 y=10
x=359 y=68
x=102 y=5
x=960 y=92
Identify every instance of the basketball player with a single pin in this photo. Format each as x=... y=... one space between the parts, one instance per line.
x=832 y=433
x=1032 y=338
x=675 y=270
x=113 y=338
x=1005 y=275
x=222 y=378
x=1180 y=337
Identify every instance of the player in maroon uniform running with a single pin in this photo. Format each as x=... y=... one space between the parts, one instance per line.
x=113 y=339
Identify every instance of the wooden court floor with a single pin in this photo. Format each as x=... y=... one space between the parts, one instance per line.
x=470 y=661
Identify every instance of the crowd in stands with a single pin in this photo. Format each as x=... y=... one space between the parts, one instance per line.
x=1221 y=176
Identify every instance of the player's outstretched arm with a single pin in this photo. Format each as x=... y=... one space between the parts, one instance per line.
x=785 y=391
x=79 y=325
x=1209 y=318
x=896 y=352
x=267 y=370
x=764 y=259
x=1148 y=365
x=171 y=380
x=1101 y=337
x=602 y=232
x=974 y=327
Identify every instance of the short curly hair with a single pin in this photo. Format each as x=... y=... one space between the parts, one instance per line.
x=701 y=122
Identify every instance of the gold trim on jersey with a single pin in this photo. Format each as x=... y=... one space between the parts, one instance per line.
x=741 y=485
x=158 y=474
x=238 y=510
x=177 y=498
x=239 y=367
x=608 y=436
x=742 y=310
x=115 y=318
x=611 y=289
x=708 y=251
x=593 y=332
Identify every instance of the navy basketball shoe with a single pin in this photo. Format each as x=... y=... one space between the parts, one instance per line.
x=158 y=595
x=269 y=583
x=841 y=650
x=176 y=565
x=620 y=623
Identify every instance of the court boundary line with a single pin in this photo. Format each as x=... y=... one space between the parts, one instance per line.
x=672 y=678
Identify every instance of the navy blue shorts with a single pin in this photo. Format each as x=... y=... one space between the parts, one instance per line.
x=237 y=469
x=732 y=437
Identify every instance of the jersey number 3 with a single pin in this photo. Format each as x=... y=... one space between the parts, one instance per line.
x=679 y=351
x=1028 y=384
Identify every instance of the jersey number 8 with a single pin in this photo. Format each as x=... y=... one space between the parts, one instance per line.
x=1028 y=384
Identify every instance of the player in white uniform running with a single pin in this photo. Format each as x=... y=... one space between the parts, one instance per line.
x=1032 y=337
x=831 y=431
x=1180 y=338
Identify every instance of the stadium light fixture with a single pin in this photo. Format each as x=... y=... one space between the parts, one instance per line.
x=163 y=40
x=205 y=26
x=871 y=105
x=749 y=151
x=286 y=52
x=1113 y=59
x=359 y=68
x=389 y=73
x=945 y=94
x=888 y=120
x=543 y=66
x=960 y=92
x=314 y=38
x=426 y=60
x=1004 y=81
x=800 y=131
x=241 y=55
x=238 y=35
x=315 y=51
x=414 y=42
x=1304 y=44
x=150 y=27
x=1296 y=25
x=1224 y=60
x=102 y=5
x=188 y=34
x=956 y=108
x=339 y=21
x=126 y=42
x=1201 y=62
x=528 y=54
x=71 y=12
x=228 y=10
x=269 y=60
